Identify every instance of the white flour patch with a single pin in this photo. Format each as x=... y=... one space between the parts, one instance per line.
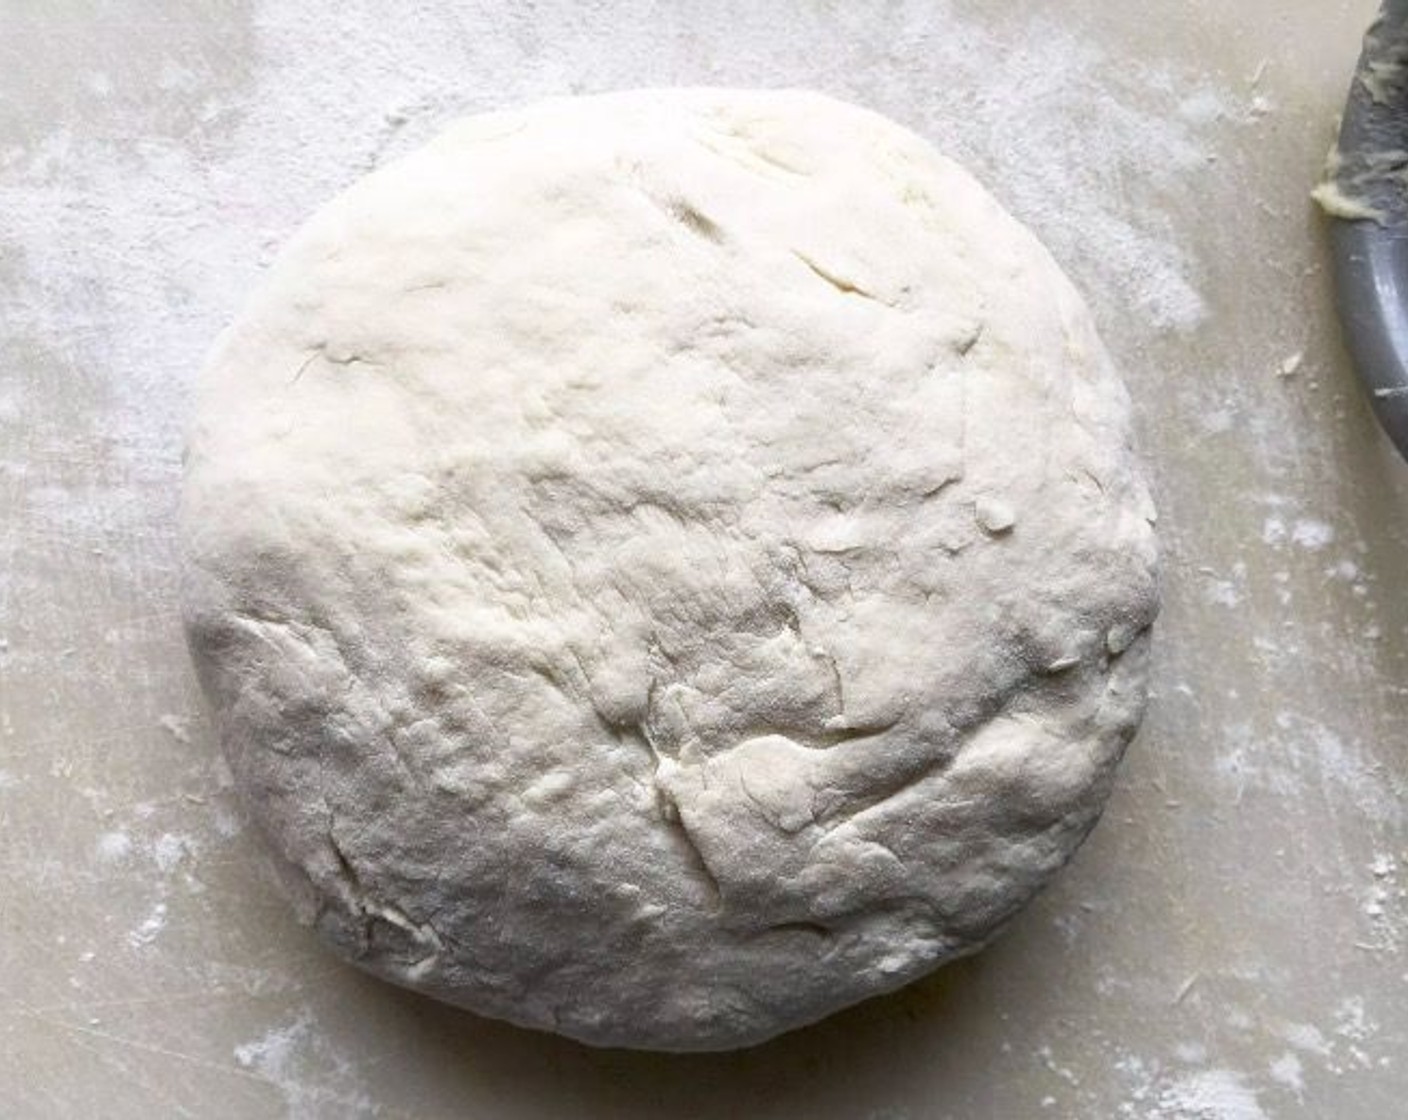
x=227 y=821
x=1288 y=1072
x=1048 y=1059
x=169 y=850
x=1352 y=1044
x=113 y=847
x=1352 y=1020
x=1137 y=1071
x=1318 y=754
x=276 y=1051
x=1214 y=1094
x=150 y=929
x=299 y=1060
x=1296 y=754
x=1307 y=1038
x=1156 y=1093
x=1193 y=1053
x=178 y=727
x=1311 y=534
x=1345 y=570
x=1222 y=593
x=1202 y=107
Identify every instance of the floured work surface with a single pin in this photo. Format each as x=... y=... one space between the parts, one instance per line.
x=1230 y=940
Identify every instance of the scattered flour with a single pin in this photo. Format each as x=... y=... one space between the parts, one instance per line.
x=1214 y=1094
x=1346 y=571
x=1318 y=753
x=1308 y=1039
x=113 y=847
x=1157 y=1093
x=1312 y=535
x=150 y=928
x=1222 y=593
x=1288 y=1072
x=298 y=1059
x=276 y=1051
x=1352 y=1020
x=169 y=850
x=178 y=727
x=1193 y=1053
x=1065 y=1073
x=1293 y=752
x=1306 y=532
x=1353 y=1044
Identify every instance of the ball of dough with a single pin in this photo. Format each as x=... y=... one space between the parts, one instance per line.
x=667 y=565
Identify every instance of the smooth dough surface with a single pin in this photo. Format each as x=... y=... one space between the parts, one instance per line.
x=667 y=565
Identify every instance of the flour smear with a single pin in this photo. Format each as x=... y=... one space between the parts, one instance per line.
x=1212 y=1094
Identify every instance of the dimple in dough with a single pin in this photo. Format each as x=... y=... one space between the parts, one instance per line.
x=667 y=565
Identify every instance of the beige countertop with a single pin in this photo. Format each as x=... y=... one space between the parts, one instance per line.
x=1231 y=944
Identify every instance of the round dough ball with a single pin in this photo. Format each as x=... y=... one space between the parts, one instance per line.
x=667 y=565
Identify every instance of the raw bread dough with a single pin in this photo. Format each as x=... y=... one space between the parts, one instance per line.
x=667 y=565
